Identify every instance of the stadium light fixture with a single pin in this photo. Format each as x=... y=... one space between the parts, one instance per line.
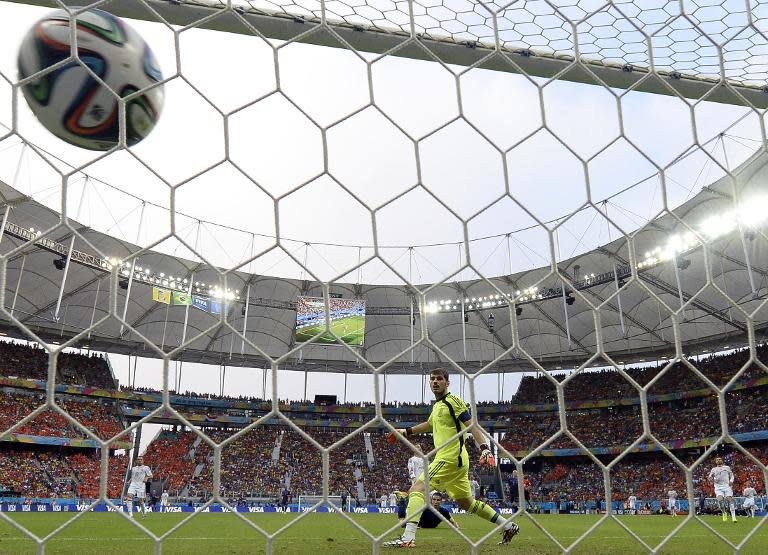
x=749 y=214
x=683 y=263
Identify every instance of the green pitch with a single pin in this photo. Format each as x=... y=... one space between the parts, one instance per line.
x=351 y=330
x=327 y=533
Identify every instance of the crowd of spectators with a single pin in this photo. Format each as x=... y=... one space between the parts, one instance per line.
x=30 y=361
x=99 y=417
x=61 y=479
x=287 y=460
x=241 y=474
x=31 y=473
x=285 y=404
x=87 y=470
x=690 y=419
x=20 y=473
x=171 y=457
x=610 y=384
x=648 y=476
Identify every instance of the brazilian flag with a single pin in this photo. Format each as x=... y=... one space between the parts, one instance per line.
x=180 y=298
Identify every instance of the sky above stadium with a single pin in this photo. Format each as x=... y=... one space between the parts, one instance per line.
x=228 y=215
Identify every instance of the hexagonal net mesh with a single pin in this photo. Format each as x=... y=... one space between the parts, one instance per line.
x=516 y=187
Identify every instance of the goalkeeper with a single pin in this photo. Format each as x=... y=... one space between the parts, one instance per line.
x=450 y=469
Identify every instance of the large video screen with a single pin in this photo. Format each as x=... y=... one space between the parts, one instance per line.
x=347 y=320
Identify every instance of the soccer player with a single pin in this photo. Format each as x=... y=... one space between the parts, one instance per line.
x=284 y=499
x=140 y=473
x=164 y=502
x=631 y=501
x=672 y=503
x=449 y=470
x=392 y=500
x=402 y=505
x=429 y=519
x=474 y=486
x=527 y=493
x=415 y=467
x=513 y=488
x=749 y=500
x=722 y=478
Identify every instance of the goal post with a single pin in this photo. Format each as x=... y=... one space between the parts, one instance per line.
x=467 y=51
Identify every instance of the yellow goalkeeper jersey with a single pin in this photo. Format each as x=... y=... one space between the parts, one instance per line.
x=449 y=415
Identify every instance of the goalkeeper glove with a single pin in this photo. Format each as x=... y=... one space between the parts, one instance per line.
x=486 y=457
x=392 y=436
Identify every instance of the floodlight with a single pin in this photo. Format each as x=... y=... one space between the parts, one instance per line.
x=716 y=226
x=752 y=213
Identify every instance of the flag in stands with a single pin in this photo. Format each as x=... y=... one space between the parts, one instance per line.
x=161 y=295
x=181 y=298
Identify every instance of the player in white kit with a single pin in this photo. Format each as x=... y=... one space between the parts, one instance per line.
x=415 y=467
x=749 y=500
x=631 y=501
x=165 y=502
x=722 y=478
x=140 y=473
x=474 y=487
x=672 y=502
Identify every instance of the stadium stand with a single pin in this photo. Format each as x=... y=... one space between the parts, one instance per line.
x=602 y=412
x=86 y=468
x=29 y=361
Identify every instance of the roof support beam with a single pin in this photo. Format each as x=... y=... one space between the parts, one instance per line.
x=386 y=36
x=687 y=297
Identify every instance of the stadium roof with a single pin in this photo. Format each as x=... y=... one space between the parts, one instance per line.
x=641 y=330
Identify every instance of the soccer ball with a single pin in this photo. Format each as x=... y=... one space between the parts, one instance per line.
x=73 y=105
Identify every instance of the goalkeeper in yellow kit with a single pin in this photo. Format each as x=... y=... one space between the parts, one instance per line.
x=450 y=469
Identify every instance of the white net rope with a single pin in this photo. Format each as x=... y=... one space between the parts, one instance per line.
x=714 y=40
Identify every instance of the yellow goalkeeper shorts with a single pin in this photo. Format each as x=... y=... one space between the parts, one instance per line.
x=449 y=477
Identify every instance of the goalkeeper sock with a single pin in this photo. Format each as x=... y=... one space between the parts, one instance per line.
x=483 y=510
x=415 y=502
